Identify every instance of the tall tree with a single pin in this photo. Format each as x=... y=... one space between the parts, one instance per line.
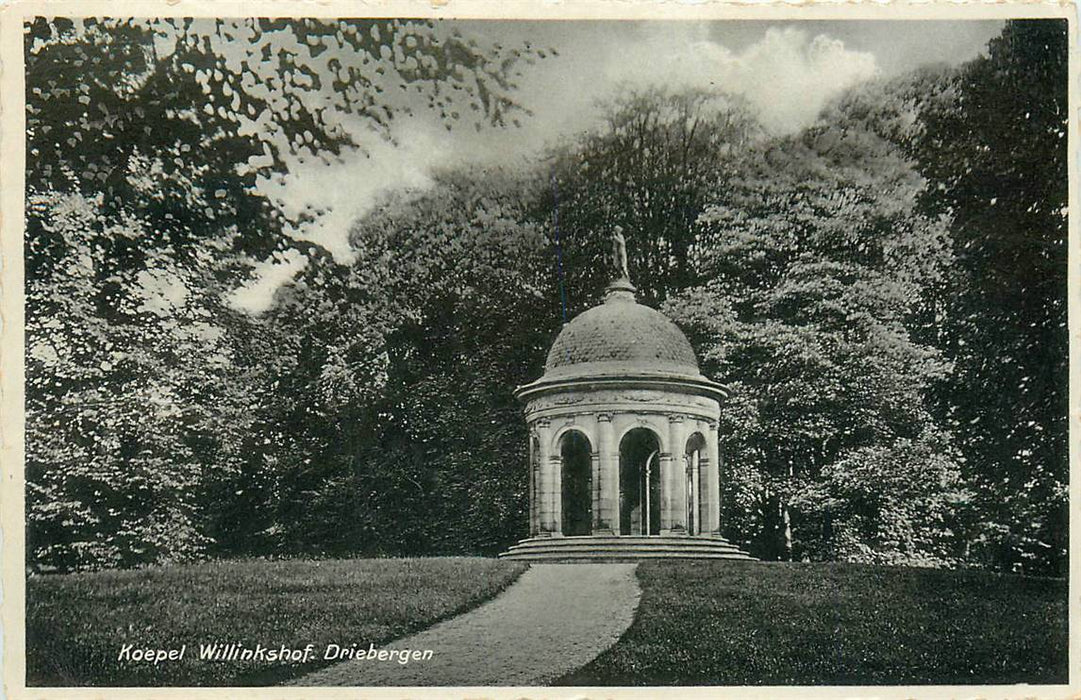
x=648 y=169
x=814 y=258
x=132 y=396
x=998 y=153
x=146 y=140
x=401 y=434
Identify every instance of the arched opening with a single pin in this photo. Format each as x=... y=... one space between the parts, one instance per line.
x=694 y=481
x=639 y=483
x=577 y=484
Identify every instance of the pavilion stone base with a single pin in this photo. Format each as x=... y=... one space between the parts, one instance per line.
x=624 y=547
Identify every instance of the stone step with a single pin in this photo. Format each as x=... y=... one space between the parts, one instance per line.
x=571 y=542
x=625 y=538
x=627 y=548
x=624 y=547
x=621 y=556
x=615 y=556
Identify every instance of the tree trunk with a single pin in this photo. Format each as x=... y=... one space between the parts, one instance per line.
x=786 y=520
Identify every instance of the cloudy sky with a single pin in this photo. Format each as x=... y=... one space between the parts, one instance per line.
x=786 y=70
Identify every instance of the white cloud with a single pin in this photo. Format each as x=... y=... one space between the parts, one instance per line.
x=341 y=193
x=787 y=75
x=336 y=196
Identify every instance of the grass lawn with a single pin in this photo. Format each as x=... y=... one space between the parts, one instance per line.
x=77 y=624
x=748 y=623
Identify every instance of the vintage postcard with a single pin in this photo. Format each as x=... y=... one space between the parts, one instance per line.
x=548 y=350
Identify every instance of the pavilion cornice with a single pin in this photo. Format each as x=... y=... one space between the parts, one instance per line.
x=656 y=381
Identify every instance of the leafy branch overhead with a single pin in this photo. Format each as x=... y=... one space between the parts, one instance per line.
x=216 y=104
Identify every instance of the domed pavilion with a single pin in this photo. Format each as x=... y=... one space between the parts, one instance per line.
x=623 y=452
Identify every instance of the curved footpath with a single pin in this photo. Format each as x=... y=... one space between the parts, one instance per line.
x=553 y=619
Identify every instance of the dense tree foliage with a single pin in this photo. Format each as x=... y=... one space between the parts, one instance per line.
x=883 y=292
x=998 y=152
x=991 y=140
x=146 y=140
x=816 y=258
x=650 y=169
x=401 y=433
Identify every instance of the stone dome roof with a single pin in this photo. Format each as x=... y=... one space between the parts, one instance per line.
x=621 y=335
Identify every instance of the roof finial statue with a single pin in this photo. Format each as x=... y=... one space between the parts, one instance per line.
x=619 y=254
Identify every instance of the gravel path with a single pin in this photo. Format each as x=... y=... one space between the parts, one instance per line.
x=553 y=619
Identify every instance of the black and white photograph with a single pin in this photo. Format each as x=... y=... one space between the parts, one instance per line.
x=429 y=349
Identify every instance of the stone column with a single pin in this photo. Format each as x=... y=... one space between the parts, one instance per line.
x=677 y=478
x=595 y=489
x=532 y=452
x=556 y=470
x=712 y=487
x=664 y=480
x=694 y=506
x=607 y=520
x=544 y=481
